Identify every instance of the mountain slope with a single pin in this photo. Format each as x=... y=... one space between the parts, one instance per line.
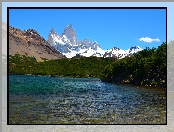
x=68 y=45
x=30 y=43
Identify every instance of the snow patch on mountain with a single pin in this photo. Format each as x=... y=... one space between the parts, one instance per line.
x=119 y=53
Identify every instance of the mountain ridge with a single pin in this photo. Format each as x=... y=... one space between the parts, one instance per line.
x=68 y=45
x=30 y=43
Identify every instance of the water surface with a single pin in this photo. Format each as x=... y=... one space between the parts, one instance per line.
x=63 y=100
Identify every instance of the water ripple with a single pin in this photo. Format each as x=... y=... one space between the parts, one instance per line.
x=83 y=101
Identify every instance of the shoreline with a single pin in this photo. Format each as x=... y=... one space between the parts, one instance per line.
x=141 y=86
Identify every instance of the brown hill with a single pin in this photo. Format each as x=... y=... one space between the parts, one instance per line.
x=30 y=43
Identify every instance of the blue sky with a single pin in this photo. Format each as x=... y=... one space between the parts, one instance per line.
x=121 y=28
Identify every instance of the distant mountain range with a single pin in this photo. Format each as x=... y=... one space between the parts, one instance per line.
x=30 y=43
x=68 y=45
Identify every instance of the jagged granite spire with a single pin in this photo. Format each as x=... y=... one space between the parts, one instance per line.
x=70 y=34
x=52 y=31
x=50 y=37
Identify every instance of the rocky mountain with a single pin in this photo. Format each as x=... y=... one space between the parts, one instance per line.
x=30 y=43
x=68 y=45
x=70 y=34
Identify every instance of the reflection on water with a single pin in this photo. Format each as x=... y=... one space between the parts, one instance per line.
x=51 y=100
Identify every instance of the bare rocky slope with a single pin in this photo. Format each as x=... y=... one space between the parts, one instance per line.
x=30 y=43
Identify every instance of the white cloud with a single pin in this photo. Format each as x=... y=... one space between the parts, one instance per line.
x=149 y=40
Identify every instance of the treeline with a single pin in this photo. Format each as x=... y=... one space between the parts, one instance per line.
x=147 y=67
x=74 y=67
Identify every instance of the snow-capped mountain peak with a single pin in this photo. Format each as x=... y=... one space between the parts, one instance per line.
x=68 y=45
x=135 y=49
x=52 y=31
x=70 y=34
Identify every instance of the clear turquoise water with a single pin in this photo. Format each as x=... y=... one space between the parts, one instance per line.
x=53 y=100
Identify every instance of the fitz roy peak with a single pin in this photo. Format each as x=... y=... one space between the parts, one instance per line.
x=69 y=32
x=68 y=45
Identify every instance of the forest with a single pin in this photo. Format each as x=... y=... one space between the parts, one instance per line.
x=147 y=67
x=74 y=67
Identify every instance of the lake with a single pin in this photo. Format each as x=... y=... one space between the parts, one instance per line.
x=63 y=100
